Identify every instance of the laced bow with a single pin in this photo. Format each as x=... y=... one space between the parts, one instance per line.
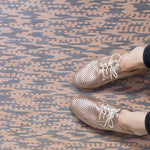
x=106 y=68
x=109 y=114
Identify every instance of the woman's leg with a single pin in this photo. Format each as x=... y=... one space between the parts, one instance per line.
x=137 y=121
x=139 y=57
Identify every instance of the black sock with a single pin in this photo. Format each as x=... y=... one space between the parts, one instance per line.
x=147 y=122
x=146 y=56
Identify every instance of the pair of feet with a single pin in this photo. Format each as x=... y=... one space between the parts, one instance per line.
x=101 y=114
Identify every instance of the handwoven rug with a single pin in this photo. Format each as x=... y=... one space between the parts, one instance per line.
x=42 y=43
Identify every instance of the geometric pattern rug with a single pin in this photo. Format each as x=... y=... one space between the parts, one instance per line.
x=42 y=44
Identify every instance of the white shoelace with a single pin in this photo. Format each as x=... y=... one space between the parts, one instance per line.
x=110 y=67
x=109 y=114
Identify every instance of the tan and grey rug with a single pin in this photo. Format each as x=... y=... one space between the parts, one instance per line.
x=42 y=42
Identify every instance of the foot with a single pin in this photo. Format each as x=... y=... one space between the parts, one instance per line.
x=102 y=71
x=105 y=116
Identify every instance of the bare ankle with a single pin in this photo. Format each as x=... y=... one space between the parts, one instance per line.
x=123 y=119
x=133 y=121
x=132 y=60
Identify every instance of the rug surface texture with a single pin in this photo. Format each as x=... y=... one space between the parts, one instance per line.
x=42 y=44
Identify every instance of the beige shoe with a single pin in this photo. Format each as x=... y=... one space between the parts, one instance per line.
x=102 y=71
x=98 y=113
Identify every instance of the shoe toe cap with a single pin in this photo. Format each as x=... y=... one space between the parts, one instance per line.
x=85 y=109
x=83 y=79
x=79 y=79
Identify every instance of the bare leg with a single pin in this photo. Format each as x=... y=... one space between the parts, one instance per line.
x=133 y=121
x=133 y=60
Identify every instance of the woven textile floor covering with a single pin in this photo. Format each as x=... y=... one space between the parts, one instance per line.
x=42 y=44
